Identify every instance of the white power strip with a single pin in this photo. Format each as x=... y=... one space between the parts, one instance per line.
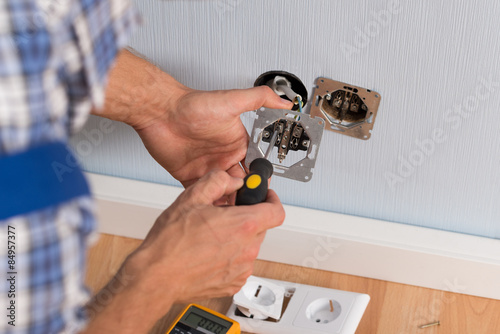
x=307 y=309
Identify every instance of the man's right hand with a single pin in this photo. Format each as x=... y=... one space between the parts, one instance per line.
x=203 y=250
x=195 y=250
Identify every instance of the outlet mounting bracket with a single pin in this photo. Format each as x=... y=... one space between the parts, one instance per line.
x=301 y=170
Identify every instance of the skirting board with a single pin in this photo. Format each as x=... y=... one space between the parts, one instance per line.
x=329 y=241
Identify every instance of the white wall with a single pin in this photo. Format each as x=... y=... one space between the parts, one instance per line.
x=435 y=64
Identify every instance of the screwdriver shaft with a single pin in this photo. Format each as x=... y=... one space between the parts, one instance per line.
x=271 y=144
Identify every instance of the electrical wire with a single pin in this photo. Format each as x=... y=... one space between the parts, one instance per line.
x=299 y=99
x=300 y=103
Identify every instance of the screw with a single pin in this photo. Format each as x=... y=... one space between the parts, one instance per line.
x=430 y=325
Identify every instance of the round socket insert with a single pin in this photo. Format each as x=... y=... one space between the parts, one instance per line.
x=323 y=310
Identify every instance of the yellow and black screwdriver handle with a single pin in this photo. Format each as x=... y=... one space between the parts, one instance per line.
x=255 y=185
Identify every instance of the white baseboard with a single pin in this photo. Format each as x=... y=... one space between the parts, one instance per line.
x=329 y=241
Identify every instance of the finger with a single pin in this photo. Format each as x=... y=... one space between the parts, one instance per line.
x=243 y=100
x=259 y=239
x=237 y=171
x=266 y=215
x=276 y=211
x=223 y=201
x=234 y=171
x=186 y=184
x=245 y=168
x=212 y=187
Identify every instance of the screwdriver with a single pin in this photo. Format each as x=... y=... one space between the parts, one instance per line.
x=255 y=185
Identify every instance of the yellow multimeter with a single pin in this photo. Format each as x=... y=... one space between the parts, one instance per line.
x=196 y=319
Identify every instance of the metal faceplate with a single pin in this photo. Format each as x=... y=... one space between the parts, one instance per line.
x=300 y=170
x=347 y=109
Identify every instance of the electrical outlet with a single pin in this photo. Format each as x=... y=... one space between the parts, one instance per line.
x=346 y=109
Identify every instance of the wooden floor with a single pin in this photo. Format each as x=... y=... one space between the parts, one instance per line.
x=393 y=309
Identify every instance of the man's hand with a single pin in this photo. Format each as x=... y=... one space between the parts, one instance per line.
x=188 y=132
x=203 y=250
x=195 y=250
x=204 y=132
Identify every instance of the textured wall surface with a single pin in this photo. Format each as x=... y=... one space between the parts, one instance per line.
x=433 y=159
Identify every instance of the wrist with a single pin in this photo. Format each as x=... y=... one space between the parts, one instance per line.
x=139 y=92
x=155 y=97
x=149 y=281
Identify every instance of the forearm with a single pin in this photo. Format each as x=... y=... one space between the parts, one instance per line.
x=129 y=303
x=139 y=92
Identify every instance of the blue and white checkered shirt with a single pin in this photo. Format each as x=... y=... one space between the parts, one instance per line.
x=54 y=60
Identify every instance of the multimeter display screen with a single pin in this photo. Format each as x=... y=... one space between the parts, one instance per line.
x=199 y=322
x=197 y=318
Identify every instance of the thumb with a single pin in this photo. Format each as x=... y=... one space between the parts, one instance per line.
x=211 y=187
x=253 y=98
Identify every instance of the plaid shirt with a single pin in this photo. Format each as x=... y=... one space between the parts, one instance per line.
x=54 y=58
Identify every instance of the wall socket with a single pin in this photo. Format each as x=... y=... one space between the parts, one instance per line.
x=346 y=109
